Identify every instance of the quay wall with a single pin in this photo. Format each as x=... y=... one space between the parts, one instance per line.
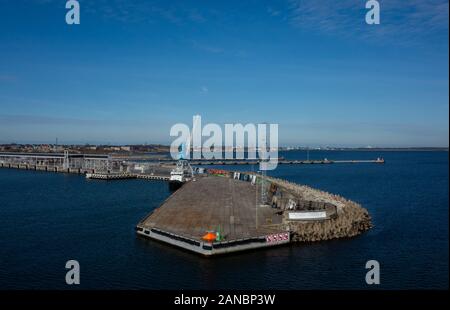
x=48 y=168
x=93 y=174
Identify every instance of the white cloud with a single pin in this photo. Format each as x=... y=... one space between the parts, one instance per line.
x=401 y=21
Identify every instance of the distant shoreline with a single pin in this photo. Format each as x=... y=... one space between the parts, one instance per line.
x=420 y=149
x=156 y=149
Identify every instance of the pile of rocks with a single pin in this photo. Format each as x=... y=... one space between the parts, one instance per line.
x=352 y=219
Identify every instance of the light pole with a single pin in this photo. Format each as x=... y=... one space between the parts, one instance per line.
x=256 y=201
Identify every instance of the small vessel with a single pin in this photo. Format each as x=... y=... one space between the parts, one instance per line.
x=180 y=174
x=380 y=160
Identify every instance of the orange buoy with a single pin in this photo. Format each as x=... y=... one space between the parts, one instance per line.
x=209 y=236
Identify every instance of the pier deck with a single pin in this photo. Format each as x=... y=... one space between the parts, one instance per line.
x=124 y=176
x=210 y=204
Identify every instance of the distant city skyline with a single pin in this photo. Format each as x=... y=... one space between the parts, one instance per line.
x=132 y=69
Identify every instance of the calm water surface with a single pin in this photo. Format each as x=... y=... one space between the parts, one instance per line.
x=47 y=219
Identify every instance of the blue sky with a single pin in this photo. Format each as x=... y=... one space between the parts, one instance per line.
x=132 y=69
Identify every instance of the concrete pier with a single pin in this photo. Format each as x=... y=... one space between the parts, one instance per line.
x=124 y=176
x=233 y=206
x=280 y=162
x=110 y=176
x=91 y=173
x=218 y=204
x=152 y=177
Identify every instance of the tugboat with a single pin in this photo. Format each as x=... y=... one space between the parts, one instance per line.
x=183 y=172
x=180 y=174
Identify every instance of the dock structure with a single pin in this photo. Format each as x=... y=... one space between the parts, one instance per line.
x=110 y=176
x=99 y=165
x=124 y=176
x=153 y=177
x=93 y=163
x=279 y=162
x=59 y=162
x=250 y=211
x=218 y=204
